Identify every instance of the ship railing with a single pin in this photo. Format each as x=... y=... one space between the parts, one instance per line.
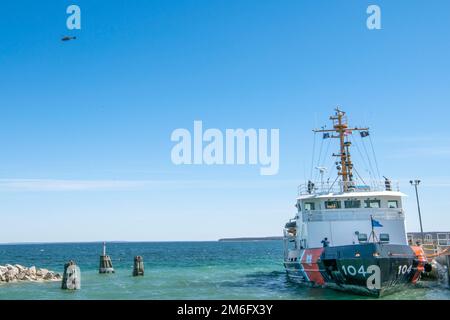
x=349 y=215
x=430 y=249
x=347 y=186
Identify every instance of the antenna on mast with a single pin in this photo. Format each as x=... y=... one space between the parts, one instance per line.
x=342 y=131
x=322 y=170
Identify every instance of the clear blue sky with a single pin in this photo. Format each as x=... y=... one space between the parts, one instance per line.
x=86 y=124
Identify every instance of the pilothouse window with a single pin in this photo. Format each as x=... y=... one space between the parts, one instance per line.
x=332 y=204
x=373 y=203
x=309 y=206
x=392 y=204
x=352 y=204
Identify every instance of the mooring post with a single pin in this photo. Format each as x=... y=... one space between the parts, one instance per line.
x=138 y=269
x=72 y=277
x=105 y=262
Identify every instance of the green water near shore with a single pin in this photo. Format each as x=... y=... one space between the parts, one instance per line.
x=177 y=270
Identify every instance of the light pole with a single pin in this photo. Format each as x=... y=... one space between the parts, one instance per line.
x=415 y=183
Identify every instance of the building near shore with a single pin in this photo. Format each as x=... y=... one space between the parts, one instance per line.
x=440 y=238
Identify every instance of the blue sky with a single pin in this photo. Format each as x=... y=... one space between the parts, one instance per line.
x=85 y=125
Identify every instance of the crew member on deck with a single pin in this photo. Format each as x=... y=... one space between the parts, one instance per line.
x=325 y=242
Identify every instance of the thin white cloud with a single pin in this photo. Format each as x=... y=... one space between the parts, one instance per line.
x=64 y=185
x=58 y=185
x=430 y=182
x=36 y=185
x=433 y=138
x=420 y=152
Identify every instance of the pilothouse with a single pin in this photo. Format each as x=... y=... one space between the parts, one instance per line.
x=349 y=233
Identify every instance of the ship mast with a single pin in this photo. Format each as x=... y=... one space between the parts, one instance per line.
x=340 y=126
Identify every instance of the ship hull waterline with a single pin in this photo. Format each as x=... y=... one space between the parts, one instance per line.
x=371 y=269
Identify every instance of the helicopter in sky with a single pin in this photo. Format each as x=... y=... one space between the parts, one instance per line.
x=68 y=38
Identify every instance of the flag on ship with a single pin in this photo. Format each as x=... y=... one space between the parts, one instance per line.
x=364 y=134
x=376 y=223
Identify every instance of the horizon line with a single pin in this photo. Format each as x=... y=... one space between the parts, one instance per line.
x=160 y=241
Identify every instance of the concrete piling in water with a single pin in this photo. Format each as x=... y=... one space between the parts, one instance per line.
x=72 y=277
x=138 y=269
x=105 y=262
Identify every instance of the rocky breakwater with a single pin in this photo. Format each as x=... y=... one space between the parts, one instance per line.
x=13 y=273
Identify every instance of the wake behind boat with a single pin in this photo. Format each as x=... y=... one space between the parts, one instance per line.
x=349 y=234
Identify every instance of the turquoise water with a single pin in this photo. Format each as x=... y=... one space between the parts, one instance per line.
x=175 y=270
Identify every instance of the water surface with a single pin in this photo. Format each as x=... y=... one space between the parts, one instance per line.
x=175 y=270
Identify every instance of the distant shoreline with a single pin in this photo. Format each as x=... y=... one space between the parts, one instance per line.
x=100 y=241
x=151 y=241
x=251 y=239
x=242 y=239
